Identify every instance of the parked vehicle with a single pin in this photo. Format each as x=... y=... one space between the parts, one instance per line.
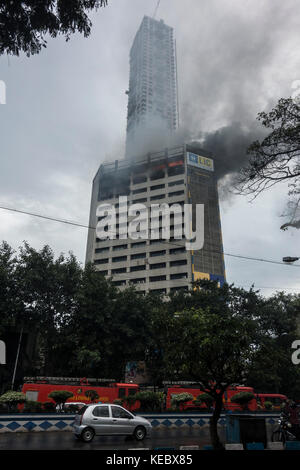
x=195 y=391
x=284 y=430
x=109 y=420
x=104 y=391
x=276 y=399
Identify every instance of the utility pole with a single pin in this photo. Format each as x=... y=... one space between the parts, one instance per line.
x=17 y=358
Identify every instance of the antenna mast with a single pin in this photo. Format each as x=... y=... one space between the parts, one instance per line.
x=155 y=11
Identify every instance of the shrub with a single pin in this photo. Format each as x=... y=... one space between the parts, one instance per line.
x=92 y=395
x=49 y=406
x=268 y=405
x=60 y=396
x=150 y=401
x=181 y=398
x=243 y=398
x=11 y=399
x=204 y=398
x=32 y=407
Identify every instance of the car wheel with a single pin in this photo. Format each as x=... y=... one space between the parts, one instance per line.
x=140 y=433
x=87 y=435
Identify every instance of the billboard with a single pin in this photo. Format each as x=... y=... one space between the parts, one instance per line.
x=200 y=162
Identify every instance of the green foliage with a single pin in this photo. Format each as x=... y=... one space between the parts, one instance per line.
x=268 y=405
x=33 y=407
x=149 y=400
x=49 y=407
x=180 y=399
x=11 y=399
x=60 y=396
x=26 y=24
x=204 y=398
x=92 y=395
x=242 y=398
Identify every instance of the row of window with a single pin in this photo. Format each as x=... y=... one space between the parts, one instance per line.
x=172 y=251
x=142 y=267
x=142 y=244
x=120 y=259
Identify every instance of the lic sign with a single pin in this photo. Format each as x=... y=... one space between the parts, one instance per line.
x=2 y=353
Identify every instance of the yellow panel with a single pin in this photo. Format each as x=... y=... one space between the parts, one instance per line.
x=198 y=275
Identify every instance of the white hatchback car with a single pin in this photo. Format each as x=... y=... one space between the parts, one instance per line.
x=109 y=420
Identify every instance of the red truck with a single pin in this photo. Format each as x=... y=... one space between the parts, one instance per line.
x=254 y=405
x=38 y=389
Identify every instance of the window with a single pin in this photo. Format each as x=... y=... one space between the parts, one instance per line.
x=175 y=183
x=118 y=412
x=155 y=198
x=101 y=261
x=158 y=291
x=157 y=266
x=157 y=278
x=118 y=270
x=139 y=179
x=32 y=395
x=101 y=411
x=139 y=280
x=138 y=256
x=178 y=262
x=119 y=247
x=157 y=186
x=119 y=259
x=122 y=392
x=137 y=244
x=102 y=250
x=176 y=193
x=104 y=273
x=158 y=253
x=175 y=251
x=138 y=201
x=139 y=191
x=137 y=268
x=178 y=276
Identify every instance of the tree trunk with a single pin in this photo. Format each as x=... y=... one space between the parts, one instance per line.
x=213 y=424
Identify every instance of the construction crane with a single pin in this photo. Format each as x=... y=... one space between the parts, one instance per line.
x=156 y=8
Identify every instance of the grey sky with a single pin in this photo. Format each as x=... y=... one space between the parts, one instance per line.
x=66 y=113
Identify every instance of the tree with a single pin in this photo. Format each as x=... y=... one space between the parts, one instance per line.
x=276 y=158
x=180 y=399
x=11 y=399
x=60 y=396
x=204 y=398
x=243 y=399
x=92 y=395
x=149 y=400
x=25 y=24
x=212 y=345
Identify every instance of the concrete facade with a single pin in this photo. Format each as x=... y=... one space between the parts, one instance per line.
x=157 y=265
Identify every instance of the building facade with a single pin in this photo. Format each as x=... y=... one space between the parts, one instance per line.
x=179 y=175
x=152 y=96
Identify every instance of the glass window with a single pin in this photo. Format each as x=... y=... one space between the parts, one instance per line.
x=101 y=411
x=118 y=412
x=122 y=392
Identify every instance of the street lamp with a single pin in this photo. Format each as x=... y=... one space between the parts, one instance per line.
x=290 y=259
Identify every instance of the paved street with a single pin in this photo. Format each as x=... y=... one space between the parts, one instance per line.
x=65 y=440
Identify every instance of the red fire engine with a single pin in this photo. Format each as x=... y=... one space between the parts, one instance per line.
x=275 y=398
x=38 y=389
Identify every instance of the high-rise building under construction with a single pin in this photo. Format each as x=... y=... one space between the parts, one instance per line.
x=152 y=94
x=181 y=174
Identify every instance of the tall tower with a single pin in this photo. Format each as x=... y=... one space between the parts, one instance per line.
x=152 y=95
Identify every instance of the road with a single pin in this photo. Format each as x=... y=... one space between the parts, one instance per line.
x=63 y=440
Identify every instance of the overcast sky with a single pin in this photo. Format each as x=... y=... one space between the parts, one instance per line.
x=66 y=113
